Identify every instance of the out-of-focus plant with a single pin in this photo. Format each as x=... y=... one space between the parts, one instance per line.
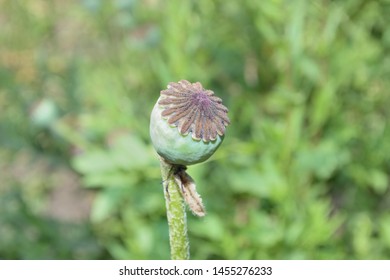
x=303 y=176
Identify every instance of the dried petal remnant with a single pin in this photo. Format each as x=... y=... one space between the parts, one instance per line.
x=193 y=109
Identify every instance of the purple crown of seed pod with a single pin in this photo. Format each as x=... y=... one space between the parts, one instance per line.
x=193 y=109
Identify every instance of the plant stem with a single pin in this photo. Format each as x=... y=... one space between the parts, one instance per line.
x=176 y=214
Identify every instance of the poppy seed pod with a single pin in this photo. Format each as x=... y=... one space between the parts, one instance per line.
x=187 y=123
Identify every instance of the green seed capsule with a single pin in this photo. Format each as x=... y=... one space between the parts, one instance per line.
x=187 y=123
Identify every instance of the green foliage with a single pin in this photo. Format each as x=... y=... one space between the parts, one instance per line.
x=303 y=172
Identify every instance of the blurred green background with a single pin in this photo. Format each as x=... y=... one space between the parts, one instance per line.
x=303 y=172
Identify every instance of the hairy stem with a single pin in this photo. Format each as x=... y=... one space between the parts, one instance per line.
x=176 y=214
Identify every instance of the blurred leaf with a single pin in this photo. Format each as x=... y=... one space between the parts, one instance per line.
x=379 y=181
x=129 y=152
x=209 y=227
x=95 y=161
x=362 y=234
x=106 y=203
x=322 y=160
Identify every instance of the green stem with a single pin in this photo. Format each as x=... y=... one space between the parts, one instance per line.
x=176 y=214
